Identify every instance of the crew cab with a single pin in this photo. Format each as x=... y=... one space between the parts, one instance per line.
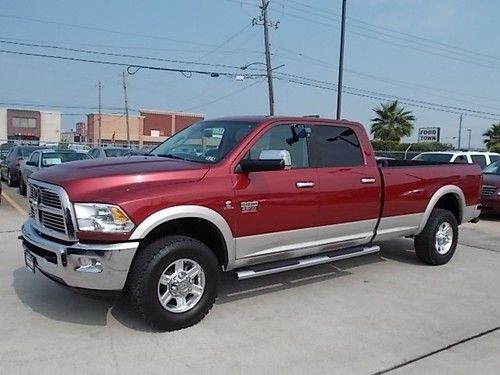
x=249 y=195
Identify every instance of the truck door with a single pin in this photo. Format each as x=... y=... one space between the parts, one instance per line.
x=349 y=184
x=277 y=210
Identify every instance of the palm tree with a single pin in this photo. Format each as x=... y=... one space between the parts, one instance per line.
x=392 y=122
x=492 y=136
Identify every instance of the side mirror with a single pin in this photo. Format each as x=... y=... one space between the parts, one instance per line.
x=261 y=165
x=32 y=163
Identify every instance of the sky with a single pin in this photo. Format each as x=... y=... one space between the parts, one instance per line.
x=442 y=54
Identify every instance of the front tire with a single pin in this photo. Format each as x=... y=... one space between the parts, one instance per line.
x=10 y=180
x=438 y=240
x=173 y=282
x=22 y=186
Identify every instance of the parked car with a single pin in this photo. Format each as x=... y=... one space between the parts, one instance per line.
x=266 y=195
x=490 y=196
x=9 y=168
x=45 y=158
x=4 y=149
x=468 y=157
x=109 y=152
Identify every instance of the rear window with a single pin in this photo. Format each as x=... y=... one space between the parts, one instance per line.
x=26 y=151
x=440 y=158
x=480 y=160
x=116 y=152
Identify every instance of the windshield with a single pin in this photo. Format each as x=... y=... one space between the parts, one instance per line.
x=54 y=158
x=493 y=168
x=445 y=158
x=116 y=152
x=205 y=141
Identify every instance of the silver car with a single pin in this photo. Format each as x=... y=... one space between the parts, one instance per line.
x=45 y=158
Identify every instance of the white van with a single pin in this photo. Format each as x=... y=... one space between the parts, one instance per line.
x=467 y=157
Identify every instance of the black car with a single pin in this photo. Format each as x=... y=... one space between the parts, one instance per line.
x=9 y=167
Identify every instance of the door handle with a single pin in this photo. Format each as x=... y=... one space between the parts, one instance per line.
x=304 y=184
x=368 y=180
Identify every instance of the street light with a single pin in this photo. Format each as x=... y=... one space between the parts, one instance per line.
x=470 y=132
x=244 y=67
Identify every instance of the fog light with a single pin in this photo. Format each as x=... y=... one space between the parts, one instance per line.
x=89 y=265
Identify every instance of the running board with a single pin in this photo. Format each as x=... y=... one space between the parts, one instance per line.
x=292 y=264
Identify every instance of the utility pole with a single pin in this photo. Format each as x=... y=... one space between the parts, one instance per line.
x=100 y=115
x=341 y=61
x=460 y=131
x=470 y=132
x=263 y=20
x=126 y=108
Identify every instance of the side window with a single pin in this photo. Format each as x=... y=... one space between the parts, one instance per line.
x=460 y=159
x=35 y=158
x=494 y=158
x=94 y=152
x=479 y=159
x=291 y=138
x=336 y=146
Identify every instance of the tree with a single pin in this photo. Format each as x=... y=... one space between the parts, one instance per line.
x=392 y=123
x=492 y=136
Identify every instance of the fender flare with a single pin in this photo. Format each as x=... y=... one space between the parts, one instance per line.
x=189 y=211
x=441 y=192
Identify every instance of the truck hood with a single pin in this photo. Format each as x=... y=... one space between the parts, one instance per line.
x=491 y=179
x=115 y=180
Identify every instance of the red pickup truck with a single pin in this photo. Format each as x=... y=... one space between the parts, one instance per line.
x=253 y=195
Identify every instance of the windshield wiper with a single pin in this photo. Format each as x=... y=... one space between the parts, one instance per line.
x=170 y=156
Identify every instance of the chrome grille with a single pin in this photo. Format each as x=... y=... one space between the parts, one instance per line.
x=49 y=209
x=488 y=191
x=53 y=221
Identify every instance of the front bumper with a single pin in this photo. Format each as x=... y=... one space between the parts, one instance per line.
x=88 y=266
x=491 y=205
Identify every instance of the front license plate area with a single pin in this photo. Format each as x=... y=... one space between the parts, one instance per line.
x=30 y=261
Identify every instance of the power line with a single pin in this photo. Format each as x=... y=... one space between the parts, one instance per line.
x=131 y=65
x=114 y=54
x=400 y=41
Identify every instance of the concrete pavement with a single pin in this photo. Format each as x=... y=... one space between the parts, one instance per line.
x=359 y=316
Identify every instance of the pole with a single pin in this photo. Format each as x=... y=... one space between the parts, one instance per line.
x=100 y=115
x=470 y=132
x=265 y=4
x=341 y=61
x=460 y=131
x=126 y=108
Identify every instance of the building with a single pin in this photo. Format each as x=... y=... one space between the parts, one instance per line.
x=149 y=127
x=30 y=125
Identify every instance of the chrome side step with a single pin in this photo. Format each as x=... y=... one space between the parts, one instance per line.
x=292 y=264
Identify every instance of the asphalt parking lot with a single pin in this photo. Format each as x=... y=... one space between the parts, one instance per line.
x=362 y=316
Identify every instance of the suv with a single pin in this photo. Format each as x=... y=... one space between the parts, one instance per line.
x=467 y=157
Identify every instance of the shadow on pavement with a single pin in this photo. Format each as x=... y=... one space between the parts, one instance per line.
x=400 y=250
x=60 y=303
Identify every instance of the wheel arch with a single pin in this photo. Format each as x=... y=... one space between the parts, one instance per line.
x=201 y=223
x=449 y=197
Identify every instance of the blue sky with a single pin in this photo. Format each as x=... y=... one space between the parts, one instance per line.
x=442 y=52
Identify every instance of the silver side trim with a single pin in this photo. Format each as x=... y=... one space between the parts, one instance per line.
x=315 y=239
x=398 y=226
x=302 y=263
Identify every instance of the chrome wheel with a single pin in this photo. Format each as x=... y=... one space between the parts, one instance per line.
x=444 y=238
x=181 y=285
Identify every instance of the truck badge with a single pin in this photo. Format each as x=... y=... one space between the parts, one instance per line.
x=250 y=206
x=228 y=205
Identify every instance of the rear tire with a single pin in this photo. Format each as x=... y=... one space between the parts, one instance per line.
x=171 y=297
x=437 y=242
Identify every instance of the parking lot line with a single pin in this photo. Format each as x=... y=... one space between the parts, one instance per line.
x=13 y=203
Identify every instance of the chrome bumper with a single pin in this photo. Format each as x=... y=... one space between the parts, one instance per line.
x=88 y=266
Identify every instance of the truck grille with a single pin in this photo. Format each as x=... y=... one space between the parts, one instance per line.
x=488 y=191
x=49 y=212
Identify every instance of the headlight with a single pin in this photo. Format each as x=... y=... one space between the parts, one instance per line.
x=96 y=217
